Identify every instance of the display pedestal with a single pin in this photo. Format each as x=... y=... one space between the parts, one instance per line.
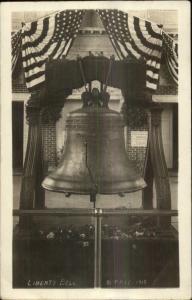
x=105 y=257
x=143 y=256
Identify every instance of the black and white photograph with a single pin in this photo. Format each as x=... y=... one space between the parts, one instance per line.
x=96 y=110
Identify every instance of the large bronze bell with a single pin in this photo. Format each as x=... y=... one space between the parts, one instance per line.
x=94 y=159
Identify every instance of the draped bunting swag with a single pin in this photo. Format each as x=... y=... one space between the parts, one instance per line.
x=170 y=48
x=52 y=37
x=48 y=37
x=138 y=38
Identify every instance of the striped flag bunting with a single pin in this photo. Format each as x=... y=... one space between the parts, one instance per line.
x=170 y=47
x=16 y=47
x=51 y=37
x=135 y=37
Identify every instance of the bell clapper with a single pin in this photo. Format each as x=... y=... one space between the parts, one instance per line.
x=67 y=195
x=93 y=198
x=94 y=188
x=121 y=195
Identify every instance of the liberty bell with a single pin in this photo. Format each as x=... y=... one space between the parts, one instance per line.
x=94 y=159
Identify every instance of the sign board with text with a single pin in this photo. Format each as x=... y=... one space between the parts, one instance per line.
x=139 y=138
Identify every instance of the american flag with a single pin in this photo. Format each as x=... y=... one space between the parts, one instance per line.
x=170 y=47
x=16 y=47
x=135 y=37
x=51 y=37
